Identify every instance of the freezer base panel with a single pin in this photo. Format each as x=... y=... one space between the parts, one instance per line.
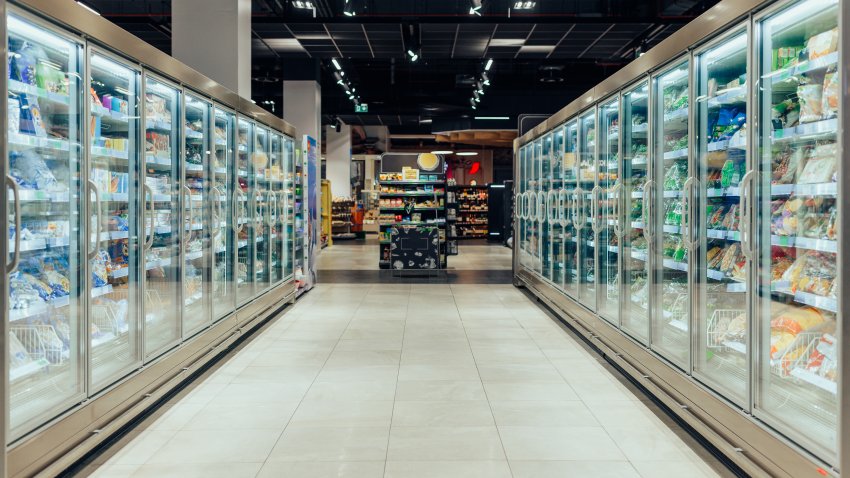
x=749 y=444
x=56 y=446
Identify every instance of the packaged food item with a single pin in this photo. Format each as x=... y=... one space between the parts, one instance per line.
x=811 y=101
x=822 y=44
x=787 y=165
x=732 y=218
x=715 y=216
x=736 y=329
x=13 y=115
x=785 y=114
x=830 y=95
x=730 y=258
x=820 y=165
x=823 y=359
x=33 y=172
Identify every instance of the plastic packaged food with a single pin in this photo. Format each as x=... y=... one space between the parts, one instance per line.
x=823 y=359
x=811 y=101
x=820 y=164
x=830 y=95
x=33 y=171
x=822 y=44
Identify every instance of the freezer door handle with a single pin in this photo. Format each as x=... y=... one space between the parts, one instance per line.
x=618 y=221
x=190 y=225
x=216 y=210
x=98 y=233
x=745 y=206
x=646 y=208
x=563 y=204
x=16 y=255
x=594 y=208
x=685 y=222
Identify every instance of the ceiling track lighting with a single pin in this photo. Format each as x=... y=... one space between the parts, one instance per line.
x=488 y=65
x=527 y=5
x=336 y=64
x=485 y=79
x=348 y=9
x=475 y=7
x=305 y=5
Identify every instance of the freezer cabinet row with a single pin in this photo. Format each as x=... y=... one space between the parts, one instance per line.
x=139 y=213
x=653 y=210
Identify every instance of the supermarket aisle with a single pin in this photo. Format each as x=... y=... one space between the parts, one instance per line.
x=363 y=255
x=413 y=380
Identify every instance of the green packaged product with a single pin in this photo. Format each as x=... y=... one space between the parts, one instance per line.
x=730 y=174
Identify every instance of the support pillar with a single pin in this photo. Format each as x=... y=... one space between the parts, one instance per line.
x=338 y=160
x=214 y=37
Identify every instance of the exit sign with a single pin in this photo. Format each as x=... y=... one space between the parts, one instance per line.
x=361 y=108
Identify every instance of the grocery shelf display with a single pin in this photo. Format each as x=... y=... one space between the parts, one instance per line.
x=701 y=188
x=471 y=211
x=121 y=277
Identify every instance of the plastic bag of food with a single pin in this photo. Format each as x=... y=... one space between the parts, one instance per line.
x=811 y=101
x=822 y=44
x=830 y=95
x=820 y=165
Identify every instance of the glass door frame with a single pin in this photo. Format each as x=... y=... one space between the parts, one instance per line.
x=602 y=291
x=647 y=200
x=141 y=231
x=581 y=138
x=154 y=354
x=698 y=299
x=657 y=283
x=248 y=213
x=571 y=207
x=289 y=189
x=206 y=216
x=230 y=115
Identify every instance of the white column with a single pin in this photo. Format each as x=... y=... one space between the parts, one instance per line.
x=302 y=107
x=338 y=160
x=214 y=37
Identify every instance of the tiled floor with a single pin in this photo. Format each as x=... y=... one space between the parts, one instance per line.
x=360 y=255
x=411 y=380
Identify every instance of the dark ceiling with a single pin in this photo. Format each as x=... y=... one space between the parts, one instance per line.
x=543 y=57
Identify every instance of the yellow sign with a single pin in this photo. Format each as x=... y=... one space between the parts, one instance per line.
x=410 y=174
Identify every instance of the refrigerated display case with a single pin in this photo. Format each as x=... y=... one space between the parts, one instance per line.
x=223 y=292
x=260 y=210
x=276 y=201
x=243 y=198
x=545 y=185
x=120 y=168
x=289 y=188
x=671 y=153
x=636 y=238
x=556 y=207
x=161 y=251
x=720 y=224
x=798 y=294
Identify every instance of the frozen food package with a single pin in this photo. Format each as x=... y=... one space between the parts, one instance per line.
x=13 y=115
x=820 y=165
x=822 y=44
x=811 y=100
x=830 y=95
x=29 y=166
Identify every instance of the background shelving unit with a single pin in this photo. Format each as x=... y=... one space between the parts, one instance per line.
x=429 y=197
x=341 y=215
x=472 y=221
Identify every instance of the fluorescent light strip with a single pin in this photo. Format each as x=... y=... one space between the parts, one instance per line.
x=492 y=117
x=88 y=8
x=336 y=64
x=488 y=65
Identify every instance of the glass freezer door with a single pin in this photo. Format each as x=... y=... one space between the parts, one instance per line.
x=635 y=201
x=607 y=211
x=114 y=329
x=162 y=247
x=545 y=161
x=556 y=224
x=570 y=168
x=197 y=230
x=223 y=231
x=276 y=213
x=671 y=323
x=46 y=280
x=586 y=215
x=722 y=264
x=289 y=203
x=262 y=231
x=800 y=93
x=242 y=194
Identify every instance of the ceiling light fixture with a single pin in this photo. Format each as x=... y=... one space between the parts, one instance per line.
x=413 y=56
x=475 y=7
x=492 y=118
x=466 y=153
x=524 y=5
x=336 y=64
x=302 y=4
x=88 y=8
x=488 y=65
x=442 y=152
x=485 y=79
x=338 y=78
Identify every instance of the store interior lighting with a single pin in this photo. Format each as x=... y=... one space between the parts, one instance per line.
x=348 y=9
x=525 y=5
x=303 y=5
x=488 y=65
x=336 y=64
x=466 y=153
x=87 y=7
x=475 y=7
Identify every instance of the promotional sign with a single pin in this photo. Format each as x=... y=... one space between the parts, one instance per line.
x=311 y=187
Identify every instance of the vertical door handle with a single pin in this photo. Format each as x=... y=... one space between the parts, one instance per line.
x=745 y=206
x=685 y=221
x=148 y=213
x=187 y=194
x=594 y=209
x=618 y=221
x=94 y=189
x=16 y=195
x=216 y=210
x=646 y=215
x=236 y=210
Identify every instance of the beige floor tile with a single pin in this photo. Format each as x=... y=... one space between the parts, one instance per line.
x=649 y=444
x=348 y=390
x=142 y=448
x=216 y=446
x=361 y=373
x=308 y=444
x=670 y=469
x=198 y=470
x=514 y=372
x=529 y=391
x=176 y=417
x=446 y=469
x=334 y=413
x=257 y=416
x=114 y=470
x=282 y=374
x=458 y=413
x=564 y=469
x=447 y=371
x=247 y=393
x=318 y=469
x=364 y=357
x=537 y=413
x=559 y=443
x=369 y=344
x=444 y=443
x=439 y=390
x=624 y=414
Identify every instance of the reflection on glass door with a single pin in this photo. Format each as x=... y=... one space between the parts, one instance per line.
x=721 y=257
x=260 y=163
x=586 y=215
x=45 y=240
x=223 y=229
x=162 y=246
x=288 y=203
x=800 y=93
x=635 y=200
x=545 y=187
x=276 y=214
x=671 y=319
x=571 y=226
x=114 y=285
x=197 y=231
x=242 y=194
x=607 y=211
